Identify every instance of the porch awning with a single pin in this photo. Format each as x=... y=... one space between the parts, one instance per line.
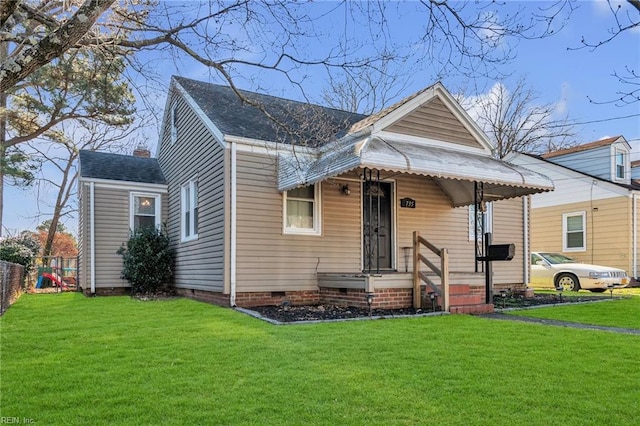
x=454 y=171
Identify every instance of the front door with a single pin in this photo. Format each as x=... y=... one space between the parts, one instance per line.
x=377 y=202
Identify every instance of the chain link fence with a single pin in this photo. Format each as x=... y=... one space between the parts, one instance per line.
x=11 y=284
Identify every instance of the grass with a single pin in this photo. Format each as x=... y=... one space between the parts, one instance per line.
x=67 y=359
x=616 y=313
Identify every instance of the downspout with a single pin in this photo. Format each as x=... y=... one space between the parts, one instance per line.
x=92 y=225
x=526 y=252
x=234 y=183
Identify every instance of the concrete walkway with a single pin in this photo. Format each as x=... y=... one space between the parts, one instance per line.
x=505 y=317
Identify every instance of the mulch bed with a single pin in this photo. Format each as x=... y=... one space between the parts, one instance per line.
x=288 y=313
x=328 y=312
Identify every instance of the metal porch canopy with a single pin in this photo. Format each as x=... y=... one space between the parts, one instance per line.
x=455 y=171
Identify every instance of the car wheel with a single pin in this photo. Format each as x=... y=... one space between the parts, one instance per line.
x=567 y=282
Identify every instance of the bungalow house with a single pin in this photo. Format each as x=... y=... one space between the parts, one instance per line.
x=592 y=215
x=268 y=200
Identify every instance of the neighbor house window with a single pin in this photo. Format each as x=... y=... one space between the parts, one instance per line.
x=145 y=211
x=574 y=230
x=174 y=122
x=302 y=210
x=485 y=219
x=621 y=160
x=189 y=197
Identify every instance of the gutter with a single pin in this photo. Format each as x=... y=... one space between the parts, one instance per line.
x=92 y=211
x=233 y=248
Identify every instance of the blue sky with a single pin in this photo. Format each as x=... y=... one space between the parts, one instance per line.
x=561 y=75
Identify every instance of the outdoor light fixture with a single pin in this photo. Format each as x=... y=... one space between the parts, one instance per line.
x=369 y=298
x=610 y=287
x=432 y=297
x=346 y=190
x=560 y=291
x=503 y=295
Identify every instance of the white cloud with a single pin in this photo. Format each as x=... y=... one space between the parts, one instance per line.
x=561 y=107
x=601 y=7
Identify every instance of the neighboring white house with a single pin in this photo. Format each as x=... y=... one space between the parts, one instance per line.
x=593 y=213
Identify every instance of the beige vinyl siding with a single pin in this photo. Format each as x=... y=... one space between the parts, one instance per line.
x=434 y=121
x=508 y=227
x=268 y=260
x=83 y=236
x=112 y=222
x=608 y=237
x=436 y=220
x=111 y=231
x=637 y=239
x=200 y=264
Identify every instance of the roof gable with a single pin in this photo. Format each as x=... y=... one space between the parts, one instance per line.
x=431 y=113
x=544 y=162
x=105 y=165
x=434 y=120
x=584 y=147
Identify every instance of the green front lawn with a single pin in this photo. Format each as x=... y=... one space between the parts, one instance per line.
x=616 y=313
x=67 y=359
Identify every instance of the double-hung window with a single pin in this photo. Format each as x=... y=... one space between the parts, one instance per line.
x=574 y=231
x=145 y=211
x=620 y=165
x=189 y=210
x=302 y=210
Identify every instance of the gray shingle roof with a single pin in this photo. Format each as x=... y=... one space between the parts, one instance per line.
x=305 y=124
x=104 y=165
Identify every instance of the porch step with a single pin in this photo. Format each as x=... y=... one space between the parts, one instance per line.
x=465 y=299
x=481 y=308
x=459 y=289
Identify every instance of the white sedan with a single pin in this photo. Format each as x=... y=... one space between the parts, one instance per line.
x=554 y=270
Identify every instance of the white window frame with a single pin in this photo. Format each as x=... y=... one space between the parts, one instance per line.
x=174 y=122
x=317 y=202
x=194 y=202
x=624 y=164
x=488 y=221
x=158 y=200
x=565 y=247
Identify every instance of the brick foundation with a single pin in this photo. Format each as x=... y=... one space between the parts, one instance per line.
x=264 y=298
x=464 y=299
x=390 y=298
x=107 y=291
x=212 y=297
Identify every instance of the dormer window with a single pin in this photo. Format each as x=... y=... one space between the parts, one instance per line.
x=621 y=162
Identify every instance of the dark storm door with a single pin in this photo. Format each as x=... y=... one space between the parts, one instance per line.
x=377 y=228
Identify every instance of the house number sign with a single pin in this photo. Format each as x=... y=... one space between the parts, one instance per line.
x=408 y=203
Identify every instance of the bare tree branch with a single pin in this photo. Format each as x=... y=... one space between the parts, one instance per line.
x=516 y=122
x=18 y=67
